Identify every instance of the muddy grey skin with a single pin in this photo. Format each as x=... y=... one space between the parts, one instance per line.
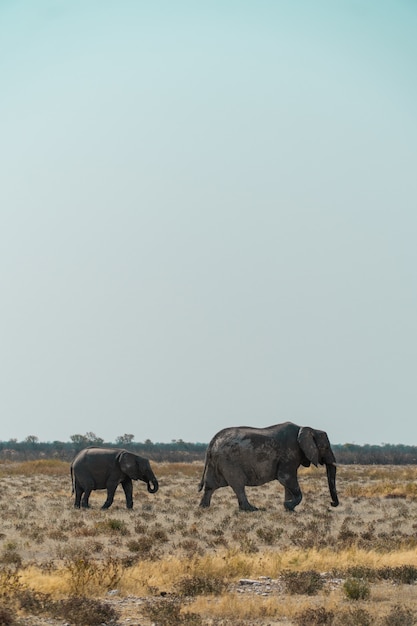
x=245 y=456
x=106 y=468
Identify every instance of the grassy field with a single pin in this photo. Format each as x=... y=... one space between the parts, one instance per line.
x=170 y=562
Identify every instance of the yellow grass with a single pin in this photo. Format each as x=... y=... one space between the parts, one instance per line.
x=230 y=566
x=40 y=467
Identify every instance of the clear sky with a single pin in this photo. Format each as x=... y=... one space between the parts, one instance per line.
x=208 y=217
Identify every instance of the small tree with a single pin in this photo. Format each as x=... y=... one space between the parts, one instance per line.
x=31 y=439
x=124 y=439
x=93 y=439
x=89 y=439
x=80 y=441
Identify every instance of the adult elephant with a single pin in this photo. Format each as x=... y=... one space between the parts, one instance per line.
x=106 y=468
x=245 y=456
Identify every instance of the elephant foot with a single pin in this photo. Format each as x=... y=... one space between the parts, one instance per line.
x=204 y=505
x=290 y=506
x=248 y=507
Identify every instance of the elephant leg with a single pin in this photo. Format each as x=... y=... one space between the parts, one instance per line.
x=237 y=480
x=128 y=489
x=212 y=481
x=84 y=501
x=293 y=495
x=78 y=493
x=244 y=504
x=110 y=496
x=85 y=491
x=206 y=499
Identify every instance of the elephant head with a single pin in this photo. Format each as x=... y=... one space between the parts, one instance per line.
x=138 y=468
x=315 y=445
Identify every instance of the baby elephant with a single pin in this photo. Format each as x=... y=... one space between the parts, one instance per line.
x=105 y=468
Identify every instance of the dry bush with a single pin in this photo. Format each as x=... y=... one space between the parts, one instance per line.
x=167 y=611
x=399 y=616
x=199 y=585
x=111 y=526
x=84 y=611
x=7 y=617
x=354 y=617
x=308 y=582
x=315 y=617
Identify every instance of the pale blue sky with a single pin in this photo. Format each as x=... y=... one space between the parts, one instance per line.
x=208 y=217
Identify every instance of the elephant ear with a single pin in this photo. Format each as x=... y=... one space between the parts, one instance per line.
x=127 y=463
x=308 y=445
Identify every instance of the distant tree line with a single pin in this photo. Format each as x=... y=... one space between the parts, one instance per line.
x=181 y=451
x=31 y=448
x=384 y=454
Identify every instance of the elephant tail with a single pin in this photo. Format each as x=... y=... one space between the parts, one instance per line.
x=72 y=478
x=200 y=486
x=203 y=478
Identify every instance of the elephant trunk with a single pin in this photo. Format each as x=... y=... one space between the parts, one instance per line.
x=153 y=485
x=331 y=478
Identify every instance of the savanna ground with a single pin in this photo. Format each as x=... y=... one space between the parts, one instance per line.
x=170 y=562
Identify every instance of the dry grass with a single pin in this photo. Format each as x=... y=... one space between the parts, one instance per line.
x=167 y=544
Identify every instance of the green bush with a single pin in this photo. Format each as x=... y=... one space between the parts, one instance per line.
x=357 y=589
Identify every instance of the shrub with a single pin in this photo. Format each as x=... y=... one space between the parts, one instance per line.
x=112 y=526
x=308 y=583
x=315 y=617
x=85 y=611
x=6 y=616
x=354 y=617
x=361 y=571
x=167 y=611
x=86 y=574
x=10 y=581
x=405 y=574
x=199 y=585
x=34 y=602
x=269 y=535
x=10 y=556
x=143 y=546
x=356 y=589
x=399 y=616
